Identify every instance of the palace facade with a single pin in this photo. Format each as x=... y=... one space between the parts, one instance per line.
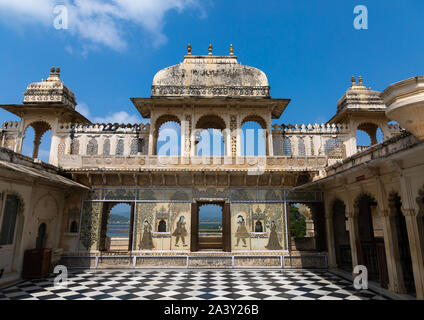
x=363 y=205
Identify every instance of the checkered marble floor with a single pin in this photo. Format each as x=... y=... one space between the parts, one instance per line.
x=190 y=285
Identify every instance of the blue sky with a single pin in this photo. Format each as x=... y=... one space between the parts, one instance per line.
x=309 y=49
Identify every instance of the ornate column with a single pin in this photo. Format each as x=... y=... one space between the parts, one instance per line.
x=329 y=227
x=352 y=222
x=394 y=268
x=54 y=145
x=37 y=142
x=414 y=226
x=151 y=140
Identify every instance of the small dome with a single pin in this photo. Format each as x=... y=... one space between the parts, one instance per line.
x=210 y=76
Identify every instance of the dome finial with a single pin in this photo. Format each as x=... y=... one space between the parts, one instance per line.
x=353 y=81
x=189 y=49
x=52 y=70
x=58 y=71
x=360 y=80
x=210 y=49
x=231 y=50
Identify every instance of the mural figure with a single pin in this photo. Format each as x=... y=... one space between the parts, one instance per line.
x=180 y=232
x=273 y=242
x=147 y=240
x=241 y=232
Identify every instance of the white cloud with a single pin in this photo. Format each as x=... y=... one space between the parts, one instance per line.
x=119 y=117
x=111 y=117
x=101 y=21
x=83 y=109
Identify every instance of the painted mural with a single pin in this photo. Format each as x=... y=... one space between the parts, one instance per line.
x=257 y=226
x=162 y=226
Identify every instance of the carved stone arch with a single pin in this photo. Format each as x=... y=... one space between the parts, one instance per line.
x=370 y=127
x=363 y=195
x=114 y=204
x=255 y=118
x=161 y=120
x=211 y=121
x=333 y=203
x=46 y=195
x=40 y=128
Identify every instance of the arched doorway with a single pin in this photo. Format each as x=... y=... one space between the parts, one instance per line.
x=210 y=226
x=10 y=230
x=209 y=136
x=117 y=227
x=341 y=236
x=370 y=242
x=254 y=138
x=41 y=236
x=395 y=205
x=167 y=136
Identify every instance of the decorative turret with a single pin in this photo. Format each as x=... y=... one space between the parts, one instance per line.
x=360 y=98
x=52 y=90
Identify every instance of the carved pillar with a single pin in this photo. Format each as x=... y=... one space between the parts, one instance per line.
x=37 y=142
x=20 y=137
x=352 y=222
x=394 y=268
x=151 y=140
x=415 y=227
x=329 y=227
x=54 y=145
x=235 y=140
x=268 y=132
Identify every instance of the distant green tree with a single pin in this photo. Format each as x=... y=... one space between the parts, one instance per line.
x=297 y=223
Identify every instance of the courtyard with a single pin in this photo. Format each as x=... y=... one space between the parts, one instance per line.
x=191 y=285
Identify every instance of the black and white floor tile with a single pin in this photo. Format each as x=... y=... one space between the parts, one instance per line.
x=191 y=285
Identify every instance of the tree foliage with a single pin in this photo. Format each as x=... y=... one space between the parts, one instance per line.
x=297 y=223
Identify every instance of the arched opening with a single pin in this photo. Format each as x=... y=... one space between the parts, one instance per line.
x=37 y=143
x=334 y=148
x=117 y=224
x=162 y=226
x=209 y=136
x=10 y=231
x=253 y=137
x=259 y=226
x=41 y=236
x=210 y=226
x=403 y=242
x=341 y=236
x=92 y=147
x=167 y=136
x=305 y=227
x=368 y=134
x=74 y=227
x=297 y=222
x=370 y=245
x=287 y=147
